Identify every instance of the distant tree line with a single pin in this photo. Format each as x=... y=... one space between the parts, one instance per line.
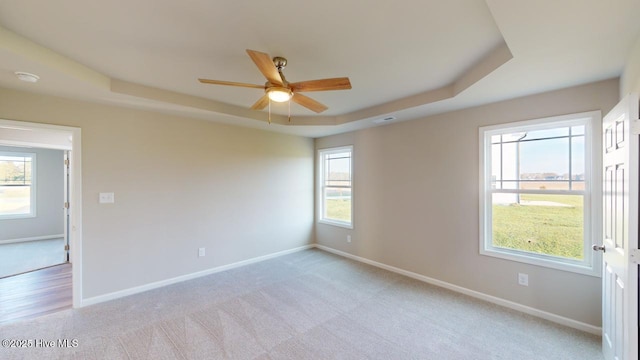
x=14 y=172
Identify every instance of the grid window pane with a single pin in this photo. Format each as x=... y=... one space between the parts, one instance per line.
x=536 y=183
x=525 y=160
x=16 y=177
x=338 y=170
x=336 y=179
x=15 y=170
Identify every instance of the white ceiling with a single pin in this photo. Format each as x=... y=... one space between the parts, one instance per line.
x=406 y=58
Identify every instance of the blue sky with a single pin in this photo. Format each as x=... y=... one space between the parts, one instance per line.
x=552 y=156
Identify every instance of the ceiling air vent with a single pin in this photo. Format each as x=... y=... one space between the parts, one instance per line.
x=384 y=120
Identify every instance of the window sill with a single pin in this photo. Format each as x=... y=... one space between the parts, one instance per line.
x=17 y=216
x=542 y=261
x=336 y=223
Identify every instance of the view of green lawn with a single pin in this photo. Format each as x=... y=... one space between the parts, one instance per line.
x=540 y=228
x=339 y=209
x=545 y=224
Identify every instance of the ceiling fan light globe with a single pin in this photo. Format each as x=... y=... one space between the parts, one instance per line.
x=279 y=94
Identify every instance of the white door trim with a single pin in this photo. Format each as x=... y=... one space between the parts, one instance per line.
x=75 y=186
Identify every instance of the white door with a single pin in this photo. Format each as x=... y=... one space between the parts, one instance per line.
x=620 y=228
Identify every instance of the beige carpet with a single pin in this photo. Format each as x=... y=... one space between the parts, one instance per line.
x=307 y=305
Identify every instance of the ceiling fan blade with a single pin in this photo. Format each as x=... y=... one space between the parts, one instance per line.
x=342 y=83
x=309 y=103
x=232 y=83
x=266 y=66
x=261 y=103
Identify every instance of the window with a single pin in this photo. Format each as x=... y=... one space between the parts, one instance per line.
x=17 y=185
x=538 y=196
x=336 y=205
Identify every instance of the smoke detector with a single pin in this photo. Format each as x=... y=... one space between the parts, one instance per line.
x=28 y=77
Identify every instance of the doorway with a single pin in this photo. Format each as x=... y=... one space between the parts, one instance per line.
x=64 y=143
x=33 y=193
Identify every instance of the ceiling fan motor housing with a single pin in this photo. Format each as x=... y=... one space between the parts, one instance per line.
x=279 y=62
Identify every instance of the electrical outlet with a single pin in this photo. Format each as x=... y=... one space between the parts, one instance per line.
x=348 y=238
x=523 y=279
x=201 y=252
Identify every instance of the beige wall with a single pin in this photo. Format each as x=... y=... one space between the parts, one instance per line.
x=416 y=189
x=179 y=184
x=49 y=219
x=630 y=79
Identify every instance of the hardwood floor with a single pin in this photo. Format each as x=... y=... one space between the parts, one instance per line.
x=35 y=293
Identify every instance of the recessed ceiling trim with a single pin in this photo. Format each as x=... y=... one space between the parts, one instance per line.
x=25 y=47
x=313 y=120
x=151 y=93
x=497 y=57
x=426 y=97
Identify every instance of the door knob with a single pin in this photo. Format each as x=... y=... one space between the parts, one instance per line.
x=598 y=248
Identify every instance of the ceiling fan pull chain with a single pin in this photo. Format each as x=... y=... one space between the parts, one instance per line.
x=269 y=111
x=289 y=110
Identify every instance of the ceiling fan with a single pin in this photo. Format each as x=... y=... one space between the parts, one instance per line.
x=278 y=89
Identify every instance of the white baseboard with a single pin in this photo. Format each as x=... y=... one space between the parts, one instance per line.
x=158 y=284
x=492 y=299
x=33 y=238
x=482 y=296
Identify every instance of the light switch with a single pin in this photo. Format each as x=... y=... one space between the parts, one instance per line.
x=107 y=198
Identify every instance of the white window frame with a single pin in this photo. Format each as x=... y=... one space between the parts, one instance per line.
x=590 y=265
x=32 y=196
x=321 y=186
